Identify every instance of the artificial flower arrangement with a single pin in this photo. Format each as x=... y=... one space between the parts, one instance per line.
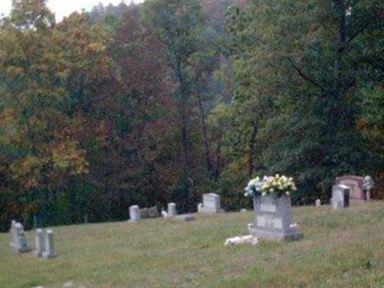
x=270 y=185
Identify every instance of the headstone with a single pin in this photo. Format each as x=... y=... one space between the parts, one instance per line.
x=243 y=210
x=144 y=213
x=273 y=219
x=134 y=214
x=318 y=203
x=211 y=204
x=340 y=196
x=49 y=251
x=39 y=242
x=199 y=207
x=355 y=184
x=13 y=233
x=151 y=212
x=19 y=242
x=171 y=210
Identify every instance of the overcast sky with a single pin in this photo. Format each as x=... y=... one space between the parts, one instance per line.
x=64 y=7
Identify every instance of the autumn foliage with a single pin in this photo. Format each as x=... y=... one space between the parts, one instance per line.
x=163 y=101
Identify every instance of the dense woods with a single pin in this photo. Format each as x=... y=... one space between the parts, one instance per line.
x=166 y=100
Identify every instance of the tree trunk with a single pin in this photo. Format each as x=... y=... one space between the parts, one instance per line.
x=205 y=137
x=251 y=149
x=184 y=118
x=341 y=47
x=219 y=162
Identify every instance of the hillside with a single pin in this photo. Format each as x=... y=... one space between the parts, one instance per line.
x=339 y=249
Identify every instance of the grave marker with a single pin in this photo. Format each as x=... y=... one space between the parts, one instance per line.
x=340 y=196
x=39 y=242
x=171 y=210
x=134 y=214
x=49 y=251
x=19 y=242
x=210 y=205
x=273 y=218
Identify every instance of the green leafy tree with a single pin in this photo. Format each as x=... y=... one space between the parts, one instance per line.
x=298 y=59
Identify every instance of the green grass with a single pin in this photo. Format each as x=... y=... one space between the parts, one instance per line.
x=339 y=249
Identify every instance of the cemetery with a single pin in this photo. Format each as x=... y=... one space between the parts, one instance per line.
x=338 y=247
x=201 y=248
x=191 y=143
x=271 y=235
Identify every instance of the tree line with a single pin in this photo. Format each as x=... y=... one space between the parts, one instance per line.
x=166 y=100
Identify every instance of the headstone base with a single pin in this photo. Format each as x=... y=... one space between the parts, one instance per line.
x=48 y=256
x=268 y=234
x=206 y=210
x=184 y=218
x=17 y=249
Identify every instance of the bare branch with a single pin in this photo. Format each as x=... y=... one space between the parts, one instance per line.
x=307 y=78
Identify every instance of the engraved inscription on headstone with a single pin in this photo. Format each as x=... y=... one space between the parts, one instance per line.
x=268 y=207
x=261 y=221
x=277 y=223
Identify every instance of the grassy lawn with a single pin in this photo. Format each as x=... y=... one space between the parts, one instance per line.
x=339 y=249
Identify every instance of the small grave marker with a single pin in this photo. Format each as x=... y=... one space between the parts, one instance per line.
x=134 y=214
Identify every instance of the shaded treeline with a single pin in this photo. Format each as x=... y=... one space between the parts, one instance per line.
x=159 y=102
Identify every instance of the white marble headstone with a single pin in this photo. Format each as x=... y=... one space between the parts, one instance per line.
x=340 y=195
x=171 y=210
x=39 y=243
x=211 y=200
x=211 y=204
x=19 y=242
x=134 y=214
x=49 y=251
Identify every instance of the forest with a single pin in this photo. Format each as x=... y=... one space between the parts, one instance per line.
x=169 y=99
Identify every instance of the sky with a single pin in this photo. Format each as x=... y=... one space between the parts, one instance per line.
x=65 y=7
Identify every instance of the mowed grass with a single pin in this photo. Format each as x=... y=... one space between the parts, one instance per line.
x=339 y=249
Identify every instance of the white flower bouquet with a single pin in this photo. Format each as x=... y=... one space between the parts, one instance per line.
x=254 y=187
x=270 y=185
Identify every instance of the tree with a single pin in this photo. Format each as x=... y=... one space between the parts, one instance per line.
x=179 y=26
x=37 y=139
x=299 y=55
x=146 y=113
